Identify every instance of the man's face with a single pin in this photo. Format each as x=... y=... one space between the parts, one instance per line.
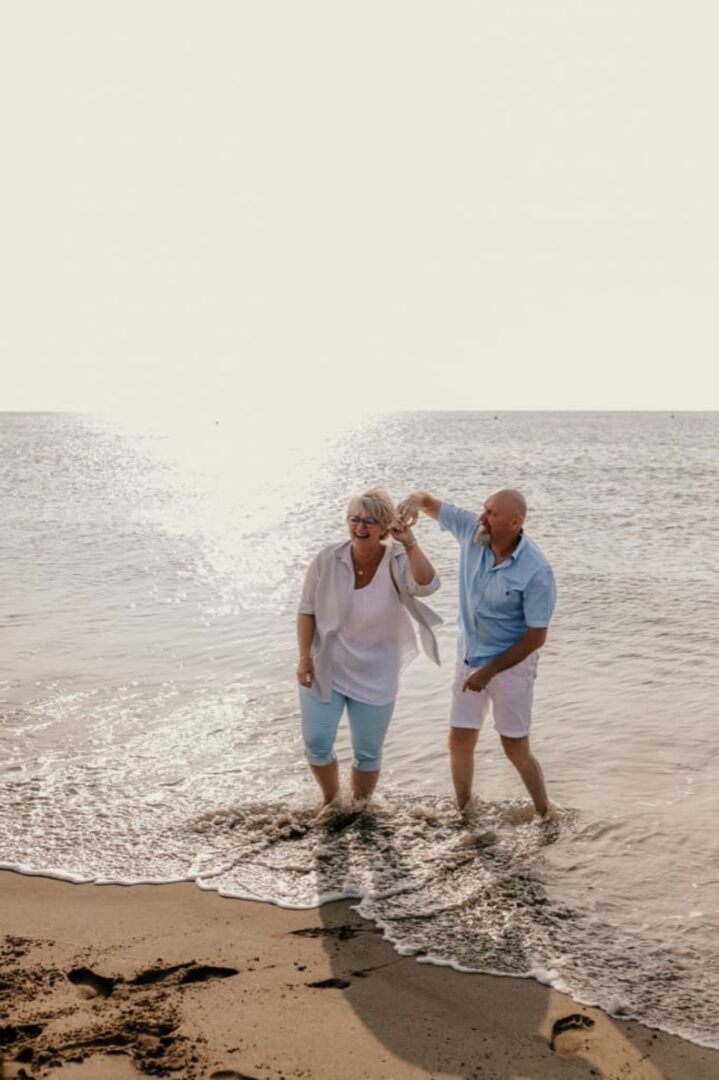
x=499 y=522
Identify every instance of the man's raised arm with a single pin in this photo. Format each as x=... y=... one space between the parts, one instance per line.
x=409 y=509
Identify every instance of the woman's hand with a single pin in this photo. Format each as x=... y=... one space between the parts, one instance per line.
x=305 y=671
x=401 y=531
x=420 y=567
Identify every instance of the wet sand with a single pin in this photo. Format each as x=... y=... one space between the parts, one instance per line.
x=109 y=983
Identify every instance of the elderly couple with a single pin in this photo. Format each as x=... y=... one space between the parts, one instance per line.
x=355 y=634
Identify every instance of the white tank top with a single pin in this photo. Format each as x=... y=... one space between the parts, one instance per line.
x=365 y=654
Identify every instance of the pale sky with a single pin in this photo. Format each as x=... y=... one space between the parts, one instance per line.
x=359 y=205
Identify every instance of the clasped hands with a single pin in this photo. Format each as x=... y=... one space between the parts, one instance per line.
x=407 y=514
x=408 y=511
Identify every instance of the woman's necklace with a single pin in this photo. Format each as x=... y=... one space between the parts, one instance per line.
x=372 y=566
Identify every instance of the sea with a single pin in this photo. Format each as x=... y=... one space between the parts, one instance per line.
x=149 y=727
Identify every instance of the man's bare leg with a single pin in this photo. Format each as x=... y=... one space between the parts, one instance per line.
x=328 y=777
x=526 y=764
x=462 y=742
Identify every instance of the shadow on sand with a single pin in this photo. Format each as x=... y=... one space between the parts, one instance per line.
x=445 y=1022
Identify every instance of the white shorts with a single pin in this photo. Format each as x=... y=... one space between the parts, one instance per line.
x=510 y=694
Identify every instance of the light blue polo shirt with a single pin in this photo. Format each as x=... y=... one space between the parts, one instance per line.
x=497 y=604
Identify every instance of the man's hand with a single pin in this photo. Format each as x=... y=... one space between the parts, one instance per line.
x=479 y=679
x=305 y=671
x=409 y=509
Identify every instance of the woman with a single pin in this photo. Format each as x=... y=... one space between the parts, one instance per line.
x=354 y=636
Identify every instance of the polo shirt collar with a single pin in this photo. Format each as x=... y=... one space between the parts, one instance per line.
x=522 y=543
x=511 y=558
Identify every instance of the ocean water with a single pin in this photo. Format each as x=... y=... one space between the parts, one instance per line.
x=149 y=723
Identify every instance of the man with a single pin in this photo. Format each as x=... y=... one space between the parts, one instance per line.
x=506 y=599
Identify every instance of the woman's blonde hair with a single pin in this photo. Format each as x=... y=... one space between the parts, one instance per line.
x=375 y=503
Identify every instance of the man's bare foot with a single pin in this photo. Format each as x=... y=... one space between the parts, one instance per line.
x=469 y=810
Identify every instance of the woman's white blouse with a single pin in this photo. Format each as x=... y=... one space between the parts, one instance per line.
x=341 y=622
x=365 y=654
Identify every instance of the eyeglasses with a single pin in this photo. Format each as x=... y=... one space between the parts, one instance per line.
x=355 y=519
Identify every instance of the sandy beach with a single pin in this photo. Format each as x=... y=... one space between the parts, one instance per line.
x=258 y=262
x=112 y=982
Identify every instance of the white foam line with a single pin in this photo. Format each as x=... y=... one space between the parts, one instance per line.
x=541 y=975
x=49 y=872
x=80 y=879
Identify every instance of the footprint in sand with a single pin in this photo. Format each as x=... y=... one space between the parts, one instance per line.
x=230 y=1074
x=329 y=984
x=343 y=933
x=204 y=972
x=156 y=975
x=94 y=985
x=569 y=1033
x=91 y=983
x=132 y=1017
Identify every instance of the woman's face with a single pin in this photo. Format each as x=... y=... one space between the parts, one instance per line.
x=364 y=529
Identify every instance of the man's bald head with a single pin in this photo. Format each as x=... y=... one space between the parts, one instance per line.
x=512 y=502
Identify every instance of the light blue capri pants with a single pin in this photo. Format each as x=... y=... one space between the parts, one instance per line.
x=368 y=727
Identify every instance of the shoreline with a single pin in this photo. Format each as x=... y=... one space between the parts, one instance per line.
x=105 y=982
